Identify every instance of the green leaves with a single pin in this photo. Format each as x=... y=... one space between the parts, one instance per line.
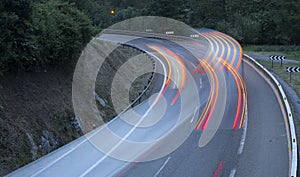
x=36 y=34
x=62 y=31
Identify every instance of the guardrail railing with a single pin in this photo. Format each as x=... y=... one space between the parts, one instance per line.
x=147 y=34
x=150 y=80
x=294 y=157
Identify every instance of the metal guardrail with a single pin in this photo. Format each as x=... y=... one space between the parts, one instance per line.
x=150 y=80
x=147 y=34
x=294 y=157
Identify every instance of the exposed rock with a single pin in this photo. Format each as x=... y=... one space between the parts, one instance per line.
x=48 y=142
x=34 y=148
x=76 y=125
x=100 y=100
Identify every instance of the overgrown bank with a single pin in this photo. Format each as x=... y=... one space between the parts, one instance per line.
x=36 y=116
x=36 y=110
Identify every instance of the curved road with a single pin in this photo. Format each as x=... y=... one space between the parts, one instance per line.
x=203 y=77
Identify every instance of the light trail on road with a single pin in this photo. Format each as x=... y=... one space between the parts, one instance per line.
x=221 y=41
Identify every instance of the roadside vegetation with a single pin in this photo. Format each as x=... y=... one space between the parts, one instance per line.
x=35 y=33
x=281 y=72
x=291 y=52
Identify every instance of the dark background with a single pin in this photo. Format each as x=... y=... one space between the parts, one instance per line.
x=38 y=32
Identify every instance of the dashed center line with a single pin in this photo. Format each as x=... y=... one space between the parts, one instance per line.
x=162 y=167
x=232 y=173
x=201 y=85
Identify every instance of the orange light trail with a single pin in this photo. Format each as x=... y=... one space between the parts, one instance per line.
x=239 y=47
x=213 y=95
x=207 y=106
x=183 y=72
x=222 y=47
x=239 y=83
x=216 y=53
x=223 y=39
x=213 y=80
x=169 y=66
x=234 y=74
x=208 y=56
x=228 y=53
x=182 y=66
x=215 y=98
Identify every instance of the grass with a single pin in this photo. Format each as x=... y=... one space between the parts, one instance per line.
x=281 y=72
x=291 y=52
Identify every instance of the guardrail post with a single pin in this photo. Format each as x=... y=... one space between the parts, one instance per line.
x=272 y=64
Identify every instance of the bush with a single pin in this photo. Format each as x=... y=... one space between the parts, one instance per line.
x=62 y=31
x=33 y=35
x=16 y=47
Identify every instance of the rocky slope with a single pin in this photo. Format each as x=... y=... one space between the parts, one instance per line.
x=36 y=112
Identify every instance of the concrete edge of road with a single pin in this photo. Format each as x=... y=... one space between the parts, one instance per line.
x=293 y=141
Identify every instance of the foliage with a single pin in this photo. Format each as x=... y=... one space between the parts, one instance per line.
x=255 y=22
x=61 y=31
x=35 y=33
x=15 y=34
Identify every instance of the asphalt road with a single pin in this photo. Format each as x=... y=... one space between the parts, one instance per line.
x=265 y=151
x=257 y=148
x=266 y=146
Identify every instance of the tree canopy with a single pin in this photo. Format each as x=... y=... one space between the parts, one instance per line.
x=35 y=33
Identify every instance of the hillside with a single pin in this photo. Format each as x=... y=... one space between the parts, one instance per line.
x=36 y=115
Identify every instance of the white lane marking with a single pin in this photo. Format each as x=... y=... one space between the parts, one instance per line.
x=201 y=84
x=122 y=140
x=243 y=139
x=194 y=115
x=177 y=82
x=91 y=134
x=162 y=167
x=194 y=65
x=117 y=145
x=232 y=173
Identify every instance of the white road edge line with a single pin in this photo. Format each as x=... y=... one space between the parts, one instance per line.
x=162 y=167
x=243 y=139
x=292 y=138
x=232 y=172
x=196 y=110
